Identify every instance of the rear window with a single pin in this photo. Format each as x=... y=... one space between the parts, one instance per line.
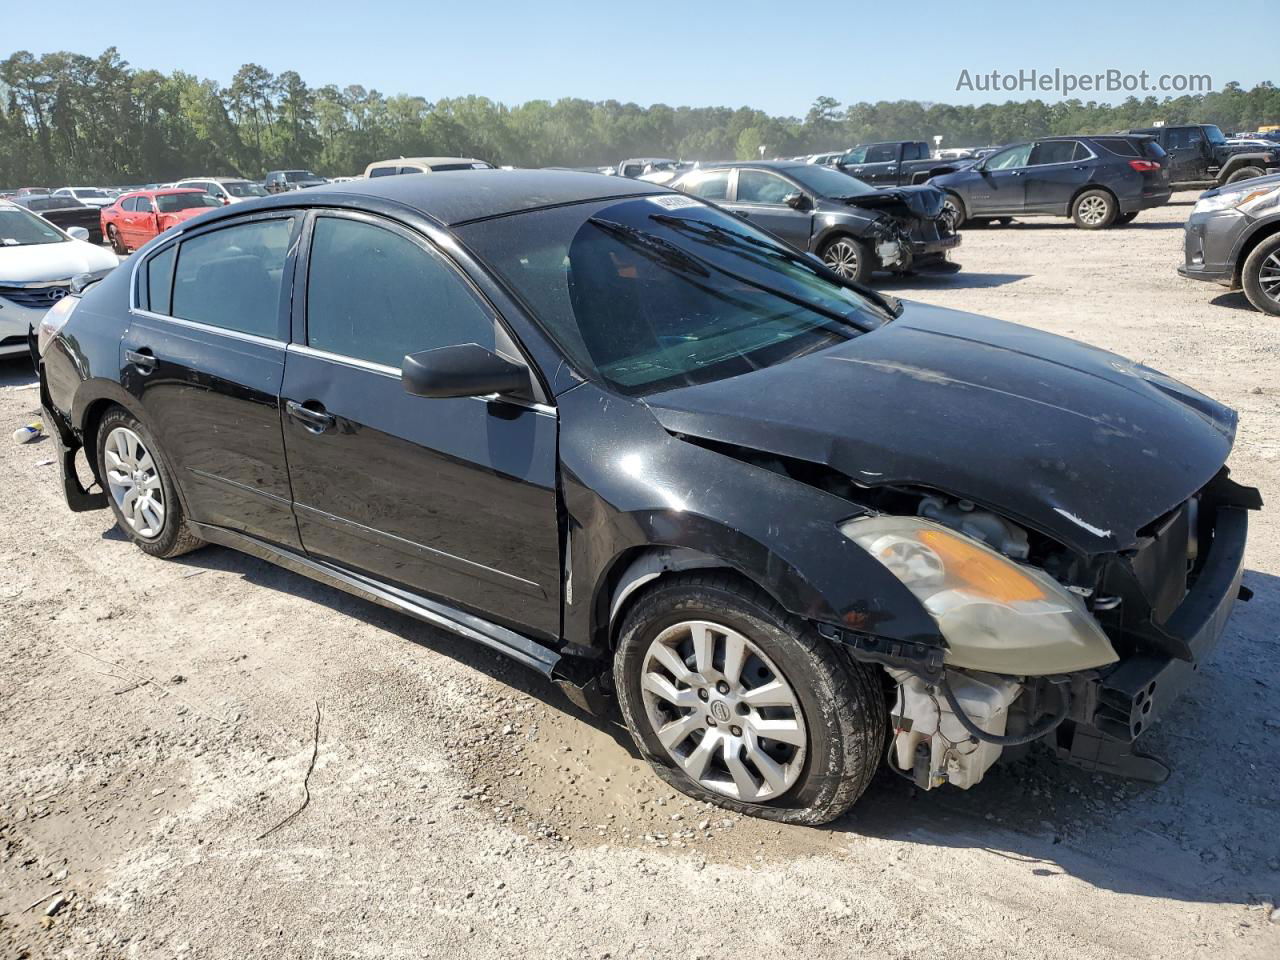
x=1120 y=146
x=231 y=278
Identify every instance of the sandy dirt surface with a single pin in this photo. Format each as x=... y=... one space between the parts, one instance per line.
x=157 y=719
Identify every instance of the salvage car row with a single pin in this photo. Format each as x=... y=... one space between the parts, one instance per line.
x=629 y=437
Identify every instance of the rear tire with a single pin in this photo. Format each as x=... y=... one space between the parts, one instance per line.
x=1260 y=276
x=113 y=237
x=1094 y=210
x=675 y=671
x=139 y=489
x=850 y=258
x=1245 y=173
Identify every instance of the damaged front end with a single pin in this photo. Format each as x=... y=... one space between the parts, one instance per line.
x=909 y=231
x=1084 y=651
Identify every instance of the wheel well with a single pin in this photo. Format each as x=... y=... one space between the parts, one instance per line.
x=636 y=571
x=89 y=431
x=959 y=201
x=1249 y=246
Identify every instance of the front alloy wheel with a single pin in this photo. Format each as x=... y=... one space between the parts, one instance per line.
x=736 y=702
x=723 y=711
x=849 y=258
x=1260 y=276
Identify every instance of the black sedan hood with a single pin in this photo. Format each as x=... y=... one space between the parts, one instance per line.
x=1078 y=443
x=922 y=201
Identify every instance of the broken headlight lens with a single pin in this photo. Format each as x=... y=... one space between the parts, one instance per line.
x=1246 y=199
x=996 y=615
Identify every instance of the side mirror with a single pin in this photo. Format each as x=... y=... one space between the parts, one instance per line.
x=78 y=233
x=796 y=201
x=464 y=370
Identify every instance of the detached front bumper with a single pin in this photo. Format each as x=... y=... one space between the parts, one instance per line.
x=1114 y=708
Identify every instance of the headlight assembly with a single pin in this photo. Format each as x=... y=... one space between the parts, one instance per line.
x=1251 y=200
x=996 y=615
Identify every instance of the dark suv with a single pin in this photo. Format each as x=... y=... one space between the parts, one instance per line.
x=280 y=181
x=1200 y=157
x=643 y=447
x=1097 y=181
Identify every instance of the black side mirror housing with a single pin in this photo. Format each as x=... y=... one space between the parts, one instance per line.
x=464 y=370
x=796 y=201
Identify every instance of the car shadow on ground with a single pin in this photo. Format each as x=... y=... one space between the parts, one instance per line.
x=1064 y=224
x=1106 y=831
x=16 y=372
x=1234 y=301
x=948 y=281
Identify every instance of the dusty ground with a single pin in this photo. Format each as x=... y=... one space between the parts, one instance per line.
x=156 y=719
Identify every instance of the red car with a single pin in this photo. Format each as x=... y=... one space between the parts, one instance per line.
x=137 y=217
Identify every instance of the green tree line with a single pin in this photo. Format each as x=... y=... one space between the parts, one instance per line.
x=71 y=118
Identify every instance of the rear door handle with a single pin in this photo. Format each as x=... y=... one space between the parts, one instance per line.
x=317 y=421
x=143 y=360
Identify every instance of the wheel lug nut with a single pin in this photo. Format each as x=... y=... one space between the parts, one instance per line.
x=722 y=687
x=702 y=694
x=736 y=731
x=711 y=721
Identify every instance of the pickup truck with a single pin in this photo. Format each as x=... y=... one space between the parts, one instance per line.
x=1200 y=157
x=894 y=163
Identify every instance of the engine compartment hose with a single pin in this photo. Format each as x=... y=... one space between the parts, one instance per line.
x=1012 y=740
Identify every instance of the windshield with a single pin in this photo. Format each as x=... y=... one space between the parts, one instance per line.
x=1213 y=134
x=664 y=291
x=243 y=188
x=91 y=194
x=172 y=202
x=18 y=228
x=293 y=176
x=826 y=182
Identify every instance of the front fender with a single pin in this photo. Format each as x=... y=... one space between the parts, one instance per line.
x=629 y=485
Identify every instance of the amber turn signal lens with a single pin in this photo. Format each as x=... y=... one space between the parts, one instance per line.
x=991 y=577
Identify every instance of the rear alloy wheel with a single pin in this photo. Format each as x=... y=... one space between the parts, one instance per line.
x=1245 y=173
x=848 y=257
x=142 y=496
x=1094 y=210
x=1260 y=276
x=735 y=702
x=113 y=236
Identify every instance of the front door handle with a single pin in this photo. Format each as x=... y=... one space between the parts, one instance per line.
x=317 y=421
x=143 y=360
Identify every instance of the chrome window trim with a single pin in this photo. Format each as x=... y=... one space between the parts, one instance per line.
x=210 y=328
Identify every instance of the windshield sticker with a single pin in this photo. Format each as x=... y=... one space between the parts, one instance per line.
x=674 y=201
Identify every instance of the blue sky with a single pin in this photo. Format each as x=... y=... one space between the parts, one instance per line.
x=773 y=55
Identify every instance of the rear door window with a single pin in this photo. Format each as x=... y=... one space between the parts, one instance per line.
x=232 y=277
x=1056 y=151
x=376 y=295
x=882 y=153
x=711 y=185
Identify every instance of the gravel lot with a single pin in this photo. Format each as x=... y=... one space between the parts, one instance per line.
x=158 y=718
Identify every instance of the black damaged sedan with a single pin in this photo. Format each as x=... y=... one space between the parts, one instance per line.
x=796 y=529
x=853 y=227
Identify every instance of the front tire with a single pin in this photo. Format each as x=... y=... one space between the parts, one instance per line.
x=953 y=211
x=1094 y=210
x=850 y=258
x=1260 y=276
x=139 y=489
x=1245 y=173
x=733 y=701
x=117 y=245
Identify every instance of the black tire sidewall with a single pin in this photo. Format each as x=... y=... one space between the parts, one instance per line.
x=815 y=796
x=174 y=518
x=866 y=265
x=1250 y=271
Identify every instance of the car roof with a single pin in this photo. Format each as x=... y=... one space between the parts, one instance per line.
x=159 y=192
x=218 y=179
x=425 y=161
x=754 y=164
x=453 y=197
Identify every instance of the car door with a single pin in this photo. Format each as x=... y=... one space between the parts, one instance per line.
x=144 y=222
x=1055 y=170
x=204 y=354
x=451 y=498
x=1185 y=146
x=761 y=197
x=127 y=222
x=999 y=186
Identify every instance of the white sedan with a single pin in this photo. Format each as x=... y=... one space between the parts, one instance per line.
x=89 y=196
x=37 y=263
